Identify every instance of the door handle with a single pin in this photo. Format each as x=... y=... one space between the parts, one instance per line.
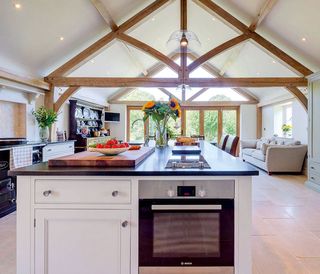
x=186 y=207
x=47 y=193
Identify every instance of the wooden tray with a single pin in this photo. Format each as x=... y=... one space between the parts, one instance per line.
x=129 y=158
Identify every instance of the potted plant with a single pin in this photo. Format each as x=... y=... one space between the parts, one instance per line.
x=45 y=118
x=286 y=129
x=160 y=113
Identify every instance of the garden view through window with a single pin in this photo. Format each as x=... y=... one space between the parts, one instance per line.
x=211 y=123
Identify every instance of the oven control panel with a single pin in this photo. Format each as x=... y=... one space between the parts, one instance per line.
x=186 y=191
x=164 y=189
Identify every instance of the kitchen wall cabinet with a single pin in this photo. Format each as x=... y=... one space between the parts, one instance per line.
x=314 y=132
x=82 y=241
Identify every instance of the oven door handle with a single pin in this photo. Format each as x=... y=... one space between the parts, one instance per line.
x=186 y=207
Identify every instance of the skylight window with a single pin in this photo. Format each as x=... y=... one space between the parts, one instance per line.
x=220 y=94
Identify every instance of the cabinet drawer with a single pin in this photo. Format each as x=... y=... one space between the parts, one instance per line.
x=314 y=167
x=82 y=191
x=314 y=177
x=58 y=148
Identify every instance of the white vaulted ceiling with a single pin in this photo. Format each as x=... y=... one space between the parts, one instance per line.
x=30 y=37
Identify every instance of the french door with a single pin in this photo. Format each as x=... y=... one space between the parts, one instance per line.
x=212 y=123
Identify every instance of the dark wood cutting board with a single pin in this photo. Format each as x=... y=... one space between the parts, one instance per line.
x=130 y=158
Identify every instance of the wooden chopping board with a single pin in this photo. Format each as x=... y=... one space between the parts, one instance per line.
x=130 y=158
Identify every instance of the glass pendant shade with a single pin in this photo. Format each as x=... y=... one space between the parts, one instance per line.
x=183 y=39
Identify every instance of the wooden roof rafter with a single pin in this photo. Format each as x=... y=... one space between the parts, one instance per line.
x=56 y=77
x=99 y=45
x=237 y=24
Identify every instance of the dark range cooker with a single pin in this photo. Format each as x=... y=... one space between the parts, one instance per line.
x=7 y=183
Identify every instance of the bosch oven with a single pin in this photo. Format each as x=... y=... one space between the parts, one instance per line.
x=186 y=225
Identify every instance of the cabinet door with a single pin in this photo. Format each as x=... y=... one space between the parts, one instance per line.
x=315 y=124
x=82 y=241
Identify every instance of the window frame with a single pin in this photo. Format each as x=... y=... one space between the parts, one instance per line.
x=201 y=109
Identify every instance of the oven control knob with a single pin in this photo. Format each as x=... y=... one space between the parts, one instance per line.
x=170 y=192
x=202 y=193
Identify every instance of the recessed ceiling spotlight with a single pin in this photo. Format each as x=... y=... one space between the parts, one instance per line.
x=92 y=61
x=273 y=61
x=17 y=5
x=61 y=38
x=258 y=73
x=153 y=19
x=213 y=19
x=304 y=39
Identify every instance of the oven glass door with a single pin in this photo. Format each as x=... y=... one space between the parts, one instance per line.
x=186 y=232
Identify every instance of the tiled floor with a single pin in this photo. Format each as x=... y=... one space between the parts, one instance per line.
x=285 y=234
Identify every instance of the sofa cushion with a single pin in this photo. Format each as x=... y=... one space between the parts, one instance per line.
x=258 y=154
x=248 y=151
x=262 y=141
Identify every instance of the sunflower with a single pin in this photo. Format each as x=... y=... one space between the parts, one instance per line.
x=148 y=105
x=174 y=104
x=178 y=112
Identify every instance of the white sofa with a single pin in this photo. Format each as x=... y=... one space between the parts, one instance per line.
x=274 y=154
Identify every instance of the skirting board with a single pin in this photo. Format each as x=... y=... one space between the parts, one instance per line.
x=313 y=186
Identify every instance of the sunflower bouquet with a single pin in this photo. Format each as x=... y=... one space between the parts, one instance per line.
x=160 y=113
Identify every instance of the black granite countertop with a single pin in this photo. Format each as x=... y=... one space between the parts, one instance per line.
x=221 y=163
x=34 y=143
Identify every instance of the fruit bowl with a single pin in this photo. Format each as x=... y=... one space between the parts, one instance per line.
x=108 y=151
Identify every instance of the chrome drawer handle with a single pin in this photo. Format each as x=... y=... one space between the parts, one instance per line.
x=47 y=193
x=49 y=149
x=312 y=167
x=312 y=178
x=125 y=224
x=115 y=193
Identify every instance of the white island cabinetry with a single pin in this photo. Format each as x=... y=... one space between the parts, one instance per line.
x=74 y=225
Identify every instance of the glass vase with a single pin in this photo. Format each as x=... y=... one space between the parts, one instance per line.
x=161 y=135
x=44 y=134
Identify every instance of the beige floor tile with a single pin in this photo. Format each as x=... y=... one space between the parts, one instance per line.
x=311 y=264
x=270 y=257
x=285 y=229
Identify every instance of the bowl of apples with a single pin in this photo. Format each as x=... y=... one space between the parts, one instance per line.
x=111 y=147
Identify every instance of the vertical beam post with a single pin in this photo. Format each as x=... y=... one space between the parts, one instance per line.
x=259 y=122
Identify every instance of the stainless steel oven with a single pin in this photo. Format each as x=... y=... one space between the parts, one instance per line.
x=187 y=225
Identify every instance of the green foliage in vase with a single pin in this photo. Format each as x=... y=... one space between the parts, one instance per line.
x=45 y=117
x=286 y=128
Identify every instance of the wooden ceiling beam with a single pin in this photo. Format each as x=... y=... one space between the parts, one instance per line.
x=191 y=104
x=263 y=13
x=174 y=82
x=64 y=97
x=299 y=96
x=167 y=92
x=230 y=19
x=150 y=50
x=217 y=50
x=104 y=12
x=99 y=45
x=215 y=72
x=35 y=83
x=101 y=8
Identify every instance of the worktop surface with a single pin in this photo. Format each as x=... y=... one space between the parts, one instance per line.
x=221 y=164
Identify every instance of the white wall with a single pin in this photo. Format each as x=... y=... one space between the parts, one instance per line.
x=118 y=130
x=32 y=103
x=299 y=121
x=248 y=122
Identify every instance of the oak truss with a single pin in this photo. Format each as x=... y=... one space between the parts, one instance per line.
x=58 y=77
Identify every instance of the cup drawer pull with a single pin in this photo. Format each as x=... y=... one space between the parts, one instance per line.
x=47 y=193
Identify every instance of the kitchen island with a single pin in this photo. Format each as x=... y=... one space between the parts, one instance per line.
x=86 y=219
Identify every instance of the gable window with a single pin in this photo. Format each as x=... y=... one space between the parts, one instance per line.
x=282 y=116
